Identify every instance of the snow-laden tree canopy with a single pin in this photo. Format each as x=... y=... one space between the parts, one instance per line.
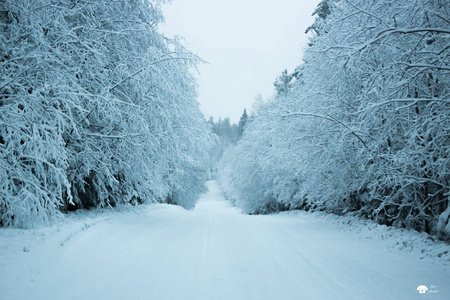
x=365 y=123
x=97 y=108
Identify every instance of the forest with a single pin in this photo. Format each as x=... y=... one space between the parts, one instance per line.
x=361 y=126
x=98 y=109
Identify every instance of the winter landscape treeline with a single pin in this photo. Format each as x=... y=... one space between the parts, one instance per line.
x=97 y=108
x=363 y=124
x=227 y=134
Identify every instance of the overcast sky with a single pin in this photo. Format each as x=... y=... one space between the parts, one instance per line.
x=248 y=43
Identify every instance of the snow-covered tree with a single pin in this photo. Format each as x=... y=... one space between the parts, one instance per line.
x=283 y=84
x=366 y=127
x=241 y=125
x=97 y=108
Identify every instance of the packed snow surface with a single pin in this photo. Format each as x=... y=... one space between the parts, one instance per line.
x=214 y=252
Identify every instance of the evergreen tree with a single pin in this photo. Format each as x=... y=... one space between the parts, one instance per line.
x=322 y=11
x=283 y=83
x=242 y=123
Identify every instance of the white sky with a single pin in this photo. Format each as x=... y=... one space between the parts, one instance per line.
x=248 y=43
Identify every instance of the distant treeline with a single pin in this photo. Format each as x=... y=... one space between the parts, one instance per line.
x=227 y=132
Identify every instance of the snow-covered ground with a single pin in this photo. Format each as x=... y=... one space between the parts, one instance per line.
x=215 y=252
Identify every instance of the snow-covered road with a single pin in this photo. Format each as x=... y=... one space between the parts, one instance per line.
x=213 y=252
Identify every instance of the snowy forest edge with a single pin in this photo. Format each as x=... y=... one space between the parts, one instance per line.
x=361 y=126
x=98 y=109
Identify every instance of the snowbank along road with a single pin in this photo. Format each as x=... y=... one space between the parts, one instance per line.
x=213 y=252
